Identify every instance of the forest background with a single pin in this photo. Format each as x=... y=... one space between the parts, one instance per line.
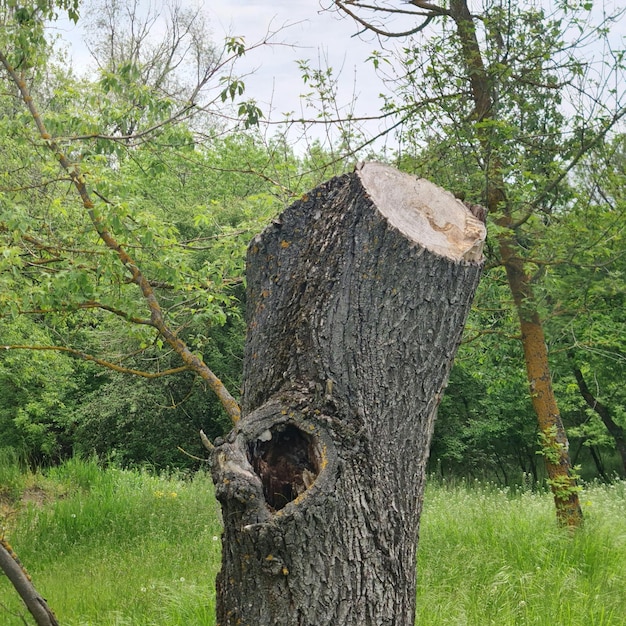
x=187 y=167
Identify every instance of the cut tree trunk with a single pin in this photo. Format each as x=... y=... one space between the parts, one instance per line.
x=357 y=297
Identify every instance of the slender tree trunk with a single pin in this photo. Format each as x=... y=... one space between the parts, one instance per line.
x=555 y=446
x=357 y=297
x=554 y=443
x=603 y=411
x=597 y=459
x=15 y=572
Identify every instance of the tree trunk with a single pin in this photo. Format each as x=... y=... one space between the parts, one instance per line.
x=357 y=297
x=553 y=439
x=603 y=411
x=15 y=572
x=555 y=446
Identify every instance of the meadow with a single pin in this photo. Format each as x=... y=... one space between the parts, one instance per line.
x=113 y=547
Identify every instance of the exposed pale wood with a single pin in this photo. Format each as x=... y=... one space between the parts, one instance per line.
x=424 y=212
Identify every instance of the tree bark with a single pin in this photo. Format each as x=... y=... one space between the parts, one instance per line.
x=553 y=438
x=357 y=297
x=15 y=572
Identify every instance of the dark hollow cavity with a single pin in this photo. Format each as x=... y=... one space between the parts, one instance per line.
x=286 y=460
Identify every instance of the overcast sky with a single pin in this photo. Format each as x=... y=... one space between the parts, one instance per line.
x=305 y=31
x=308 y=32
x=314 y=33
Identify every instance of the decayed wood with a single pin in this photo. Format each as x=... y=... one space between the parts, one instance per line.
x=357 y=296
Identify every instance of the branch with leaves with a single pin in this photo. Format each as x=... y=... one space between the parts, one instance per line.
x=98 y=222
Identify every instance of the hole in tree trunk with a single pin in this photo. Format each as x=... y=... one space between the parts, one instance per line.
x=287 y=462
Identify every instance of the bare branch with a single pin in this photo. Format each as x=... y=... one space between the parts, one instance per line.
x=92 y=359
x=428 y=17
x=15 y=572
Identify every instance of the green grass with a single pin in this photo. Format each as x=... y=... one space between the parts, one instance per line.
x=12 y=478
x=488 y=556
x=118 y=547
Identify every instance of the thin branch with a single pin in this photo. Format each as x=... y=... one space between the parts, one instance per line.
x=92 y=359
x=383 y=33
x=157 y=317
x=91 y=304
x=206 y=442
x=192 y=456
x=21 y=581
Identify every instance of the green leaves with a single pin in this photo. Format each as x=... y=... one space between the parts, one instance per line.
x=236 y=46
x=233 y=88
x=248 y=111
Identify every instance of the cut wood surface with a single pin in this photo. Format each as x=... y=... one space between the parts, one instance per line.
x=424 y=212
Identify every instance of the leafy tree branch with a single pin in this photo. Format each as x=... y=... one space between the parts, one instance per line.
x=98 y=222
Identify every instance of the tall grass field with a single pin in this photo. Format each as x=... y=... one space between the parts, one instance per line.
x=110 y=547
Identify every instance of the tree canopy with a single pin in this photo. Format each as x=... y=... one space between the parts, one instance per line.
x=165 y=140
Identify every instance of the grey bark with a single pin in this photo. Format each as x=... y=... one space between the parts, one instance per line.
x=38 y=607
x=357 y=297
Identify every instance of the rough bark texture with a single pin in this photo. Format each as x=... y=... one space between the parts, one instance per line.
x=357 y=297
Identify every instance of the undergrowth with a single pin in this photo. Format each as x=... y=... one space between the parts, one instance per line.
x=111 y=547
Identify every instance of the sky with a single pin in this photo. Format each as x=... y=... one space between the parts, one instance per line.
x=303 y=30
x=307 y=31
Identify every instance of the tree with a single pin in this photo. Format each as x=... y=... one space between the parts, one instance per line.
x=111 y=255
x=587 y=298
x=486 y=92
x=119 y=256
x=357 y=295
x=62 y=269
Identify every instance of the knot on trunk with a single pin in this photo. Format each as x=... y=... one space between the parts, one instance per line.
x=275 y=456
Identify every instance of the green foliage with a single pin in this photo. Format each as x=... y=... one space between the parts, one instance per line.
x=37 y=393
x=22 y=32
x=184 y=196
x=177 y=190
x=138 y=422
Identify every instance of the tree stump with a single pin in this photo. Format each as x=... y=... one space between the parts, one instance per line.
x=357 y=297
